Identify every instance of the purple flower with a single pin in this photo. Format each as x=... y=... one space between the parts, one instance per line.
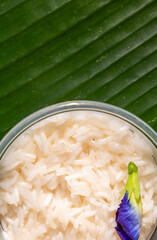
x=128 y=215
x=128 y=220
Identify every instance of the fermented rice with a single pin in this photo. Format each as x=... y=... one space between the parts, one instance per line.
x=61 y=179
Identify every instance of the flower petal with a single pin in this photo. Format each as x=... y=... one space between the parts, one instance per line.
x=122 y=233
x=128 y=220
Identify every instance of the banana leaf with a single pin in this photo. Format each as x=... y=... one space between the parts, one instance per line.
x=60 y=50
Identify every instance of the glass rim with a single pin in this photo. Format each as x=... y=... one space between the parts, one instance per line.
x=76 y=106
x=54 y=109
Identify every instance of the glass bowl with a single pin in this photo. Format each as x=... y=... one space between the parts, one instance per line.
x=136 y=125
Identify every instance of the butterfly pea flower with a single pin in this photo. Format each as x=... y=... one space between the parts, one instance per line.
x=128 y=215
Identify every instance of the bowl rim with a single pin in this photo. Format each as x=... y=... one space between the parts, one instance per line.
x=75 y=106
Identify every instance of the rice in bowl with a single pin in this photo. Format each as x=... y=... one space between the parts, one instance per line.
x=62 y=177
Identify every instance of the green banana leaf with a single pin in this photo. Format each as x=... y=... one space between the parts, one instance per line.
x=59 y=50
